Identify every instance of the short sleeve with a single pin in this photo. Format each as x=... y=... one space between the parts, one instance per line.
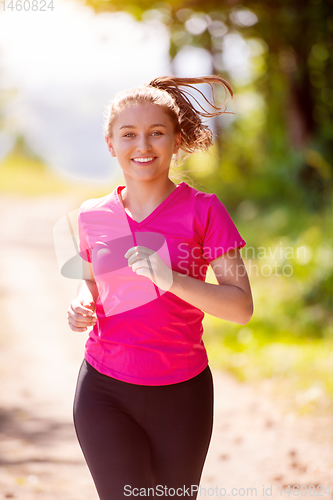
x=219 y=232
x=84 y=248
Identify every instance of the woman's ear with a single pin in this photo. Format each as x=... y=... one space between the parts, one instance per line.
x=178 y=140
x=110 y=147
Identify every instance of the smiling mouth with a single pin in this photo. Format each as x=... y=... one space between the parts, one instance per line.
x=144 y=161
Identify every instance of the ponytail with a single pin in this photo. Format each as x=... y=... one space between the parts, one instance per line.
x=195 y=135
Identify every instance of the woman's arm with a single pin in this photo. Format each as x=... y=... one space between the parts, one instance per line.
x=231 y=299
x=88 y=290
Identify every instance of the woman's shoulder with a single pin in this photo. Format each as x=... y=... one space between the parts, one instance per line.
x=202 y=199
x=94 y=203
x=197 y=193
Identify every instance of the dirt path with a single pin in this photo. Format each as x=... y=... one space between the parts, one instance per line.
x=254 y=442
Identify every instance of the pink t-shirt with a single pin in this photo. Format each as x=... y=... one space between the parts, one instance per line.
x=145 y=335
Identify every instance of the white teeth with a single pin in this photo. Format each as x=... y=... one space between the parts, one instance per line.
x=143 y=160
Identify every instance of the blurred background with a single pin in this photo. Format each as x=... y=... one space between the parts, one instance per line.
x=271 y=166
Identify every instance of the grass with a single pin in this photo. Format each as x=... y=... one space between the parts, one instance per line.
x=301 y=371
x=25 y=175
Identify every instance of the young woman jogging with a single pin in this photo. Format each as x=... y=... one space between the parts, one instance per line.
x=143 y=408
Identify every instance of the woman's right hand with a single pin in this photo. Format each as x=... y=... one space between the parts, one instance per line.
x=80 y=314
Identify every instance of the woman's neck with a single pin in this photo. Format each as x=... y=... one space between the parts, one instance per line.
x=140 y=200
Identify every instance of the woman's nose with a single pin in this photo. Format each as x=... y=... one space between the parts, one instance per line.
x=143 y=143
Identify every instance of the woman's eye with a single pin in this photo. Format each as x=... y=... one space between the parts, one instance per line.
x=129 y=134
x=157 y=132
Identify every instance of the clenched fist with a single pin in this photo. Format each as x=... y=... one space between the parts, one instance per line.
x=80 y=314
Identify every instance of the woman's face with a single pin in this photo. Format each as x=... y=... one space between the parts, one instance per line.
x=143 y=139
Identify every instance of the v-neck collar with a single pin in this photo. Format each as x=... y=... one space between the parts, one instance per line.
x=154 y=212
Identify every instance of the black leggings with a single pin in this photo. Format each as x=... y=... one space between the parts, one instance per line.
x=140 y=436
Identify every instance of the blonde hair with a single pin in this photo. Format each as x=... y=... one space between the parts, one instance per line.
x=165 y=91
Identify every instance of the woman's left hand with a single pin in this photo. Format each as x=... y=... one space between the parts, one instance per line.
x=146 y=262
